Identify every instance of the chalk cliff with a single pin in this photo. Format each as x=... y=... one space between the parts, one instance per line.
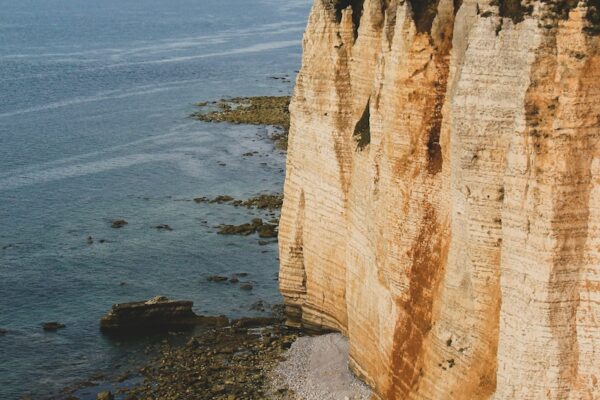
x=442 y=197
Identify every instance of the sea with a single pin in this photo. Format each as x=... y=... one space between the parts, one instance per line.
x=95 y=98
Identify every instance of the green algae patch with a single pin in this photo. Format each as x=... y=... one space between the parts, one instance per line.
x=263 y=201
x=271 y=201
x=261 y=110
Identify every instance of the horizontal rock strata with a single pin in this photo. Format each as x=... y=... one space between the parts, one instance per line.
x=442 y=197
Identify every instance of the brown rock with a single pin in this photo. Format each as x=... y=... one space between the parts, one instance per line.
x=52 y=326
x=119 y=223
x=158 y=313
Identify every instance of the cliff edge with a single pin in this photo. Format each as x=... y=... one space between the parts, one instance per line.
x=442 y=197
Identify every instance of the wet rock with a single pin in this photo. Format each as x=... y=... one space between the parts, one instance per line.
x=201 y=200
x=250 y=110
x=119 y=223
x=244 y=229
x=89 y=240
x=234 y=279
x=159 y=313
x=265 y=201
x=217 y=278
x=164 y=227
x=266 y=231
x=105 y=396
x=246 y=286
x=52 y=326
x=221 y=199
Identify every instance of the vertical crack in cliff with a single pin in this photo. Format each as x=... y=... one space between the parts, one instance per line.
x=391 y=12
x=362 y=130
x=357 y=10
x=415 y=320
x=434 y=149
x=424 y=12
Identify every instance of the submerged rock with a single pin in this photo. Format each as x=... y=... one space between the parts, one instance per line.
x=3 y=332
x=158 y=313
x=164 y=227
x=52 y=326
x=246 y=286
x=222 y=199
x=119 y=223
x=217 y=278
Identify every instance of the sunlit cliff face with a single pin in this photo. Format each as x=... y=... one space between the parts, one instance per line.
x=442 y=198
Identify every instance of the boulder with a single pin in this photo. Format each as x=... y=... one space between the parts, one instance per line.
x=158 y=313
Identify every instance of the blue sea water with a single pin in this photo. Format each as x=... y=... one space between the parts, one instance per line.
x=94 y=105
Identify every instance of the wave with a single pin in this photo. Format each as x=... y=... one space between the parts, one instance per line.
x=146 y=47
x=77 y=170
x=102 y=96
x=257 y=48
x=173 y=133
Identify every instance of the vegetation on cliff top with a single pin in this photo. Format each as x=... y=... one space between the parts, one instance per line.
x=517 y=10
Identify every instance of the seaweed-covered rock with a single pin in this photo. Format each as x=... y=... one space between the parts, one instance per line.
x=244 y=229
x=267 y=231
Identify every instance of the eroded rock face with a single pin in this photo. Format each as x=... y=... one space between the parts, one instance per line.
x=442 y=197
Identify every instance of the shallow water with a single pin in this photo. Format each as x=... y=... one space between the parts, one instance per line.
x=94 y=99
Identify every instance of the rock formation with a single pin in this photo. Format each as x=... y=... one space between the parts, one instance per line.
x=157 y=313
x=442 y=197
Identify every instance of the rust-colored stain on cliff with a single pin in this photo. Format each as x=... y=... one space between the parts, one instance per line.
x=415 y=323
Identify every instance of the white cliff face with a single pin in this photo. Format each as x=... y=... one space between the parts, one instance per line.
x=442 y=199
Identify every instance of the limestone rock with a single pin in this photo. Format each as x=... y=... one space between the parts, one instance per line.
x=442 y=195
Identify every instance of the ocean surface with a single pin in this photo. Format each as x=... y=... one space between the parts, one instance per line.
x=94 y=105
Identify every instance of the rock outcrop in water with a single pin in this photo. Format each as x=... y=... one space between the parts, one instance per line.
x=155 y=314
x=442 y=198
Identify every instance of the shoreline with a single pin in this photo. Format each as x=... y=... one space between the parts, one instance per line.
x=128 y=382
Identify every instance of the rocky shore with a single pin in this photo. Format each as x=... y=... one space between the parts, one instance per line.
x=234 y=362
